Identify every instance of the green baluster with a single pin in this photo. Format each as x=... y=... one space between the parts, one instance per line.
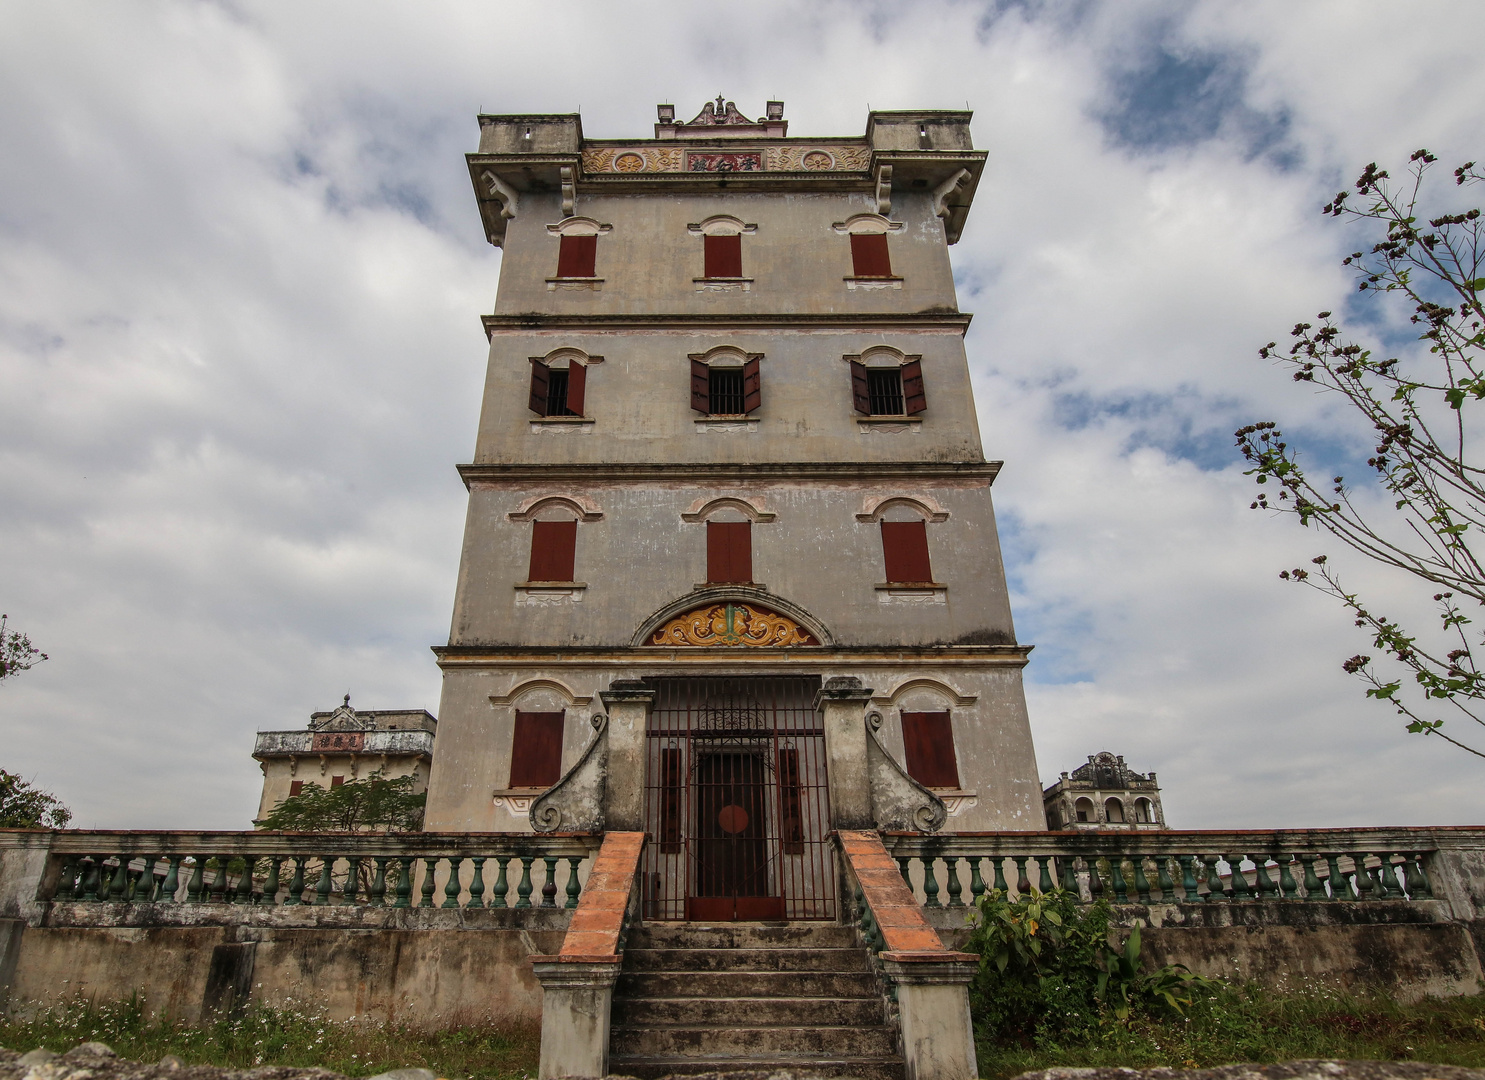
x=1235 y=879
x=97 y=881
x=1097 y=889
x=523 y=890
x=502 y=887
x=67 y=878
x=352 y=887
x=1418 y=886
x=1365 y=886
x=120 y=880
x=1288 y=887
x=1188 y=880
x=219 y=890
x=1214 y=879
x=196 y=887
x=296 y=883
x=477 y=883
x=951 y=873
x=140 y=885
x=1265 y=884
x=430 y=870
x=1044 y=882
x=1116 y=878
x=930 y=884
x=1141 y=882
x=574 y=886
x=1340 y=887
x=1163 y=879
x=245 y=883
x=325 y=884
x=270 y=885
x=976 y=883
x=1314 y=891
x=904 y=865
x=376 y=896
x=1065 y=863
x=404 y=881
x=1023 y=883
x=549 y=887
x=453 y=887
x=999 y=863
x=1387 y=877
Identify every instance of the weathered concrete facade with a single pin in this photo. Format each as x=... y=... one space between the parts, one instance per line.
x=807 y=468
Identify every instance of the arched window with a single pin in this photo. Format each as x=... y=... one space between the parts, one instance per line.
x=577 y=248
x=721 y=241
x=726 y=381
x=887 y=382
x=1113 y=812
x=869 y=256
x=553 y=543
x=1083 y=808
x=1143 y=812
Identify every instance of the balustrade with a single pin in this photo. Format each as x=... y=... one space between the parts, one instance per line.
x=270 y=869
x=1160 y=868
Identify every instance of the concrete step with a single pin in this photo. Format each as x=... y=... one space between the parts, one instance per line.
x=746 y=1012
x=704 y=1041
x=819 y=935
x=746 y=984
x=860 y=1067
x=747 y=959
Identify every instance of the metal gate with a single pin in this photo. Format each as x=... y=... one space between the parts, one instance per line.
x=736 y=802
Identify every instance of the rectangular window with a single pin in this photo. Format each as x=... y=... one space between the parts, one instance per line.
x=729 y=552
x=553 y=550
x=884 y=385
x=928 y=743
x=905 y=551
x=723 y=391
x=295 y=787
x=869 y=255
x=726 y=391
x=672 y=777
x=337 y=781
x=791 y=820
x=557 y=391
x=577 y=256
x=723 y=256
x=536 y=750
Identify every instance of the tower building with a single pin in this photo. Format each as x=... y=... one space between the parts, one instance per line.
x=730 y=574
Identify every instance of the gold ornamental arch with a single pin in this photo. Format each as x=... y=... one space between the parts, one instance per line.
x=732 y=623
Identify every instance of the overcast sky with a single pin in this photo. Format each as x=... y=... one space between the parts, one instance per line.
x=241 y=275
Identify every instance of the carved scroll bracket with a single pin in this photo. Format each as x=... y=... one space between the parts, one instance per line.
x=575 y=802
x=898 y=802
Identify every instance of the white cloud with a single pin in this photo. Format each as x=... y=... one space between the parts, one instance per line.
x=240 y=280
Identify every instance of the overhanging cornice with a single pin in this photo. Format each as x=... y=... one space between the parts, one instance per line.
x=975 y=473
x=838 y=322
x=813 y=657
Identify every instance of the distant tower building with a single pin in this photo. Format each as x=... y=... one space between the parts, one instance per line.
x=1104 y=794
x=730 y=572
x=344 y=744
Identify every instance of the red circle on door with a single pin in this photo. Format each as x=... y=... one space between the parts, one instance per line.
x=733 y=819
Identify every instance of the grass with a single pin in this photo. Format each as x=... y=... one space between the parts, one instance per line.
x=1252 y=1024
x=279 y=1036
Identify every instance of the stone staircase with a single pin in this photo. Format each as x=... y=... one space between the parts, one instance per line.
x=739 y=997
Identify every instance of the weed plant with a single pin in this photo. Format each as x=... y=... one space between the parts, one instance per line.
x=1056 y=988
x=295 y=1034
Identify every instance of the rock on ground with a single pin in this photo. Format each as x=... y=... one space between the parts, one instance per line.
x=96 y=1061
x=1284 y=1070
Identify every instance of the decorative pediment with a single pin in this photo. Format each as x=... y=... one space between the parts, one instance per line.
x=732 y=623
x=719 y=113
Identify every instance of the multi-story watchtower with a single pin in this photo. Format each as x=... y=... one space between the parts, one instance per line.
x=730 y=571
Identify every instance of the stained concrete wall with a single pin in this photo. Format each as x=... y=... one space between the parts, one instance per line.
x=997 y=762
x=650 y=261
x=429 y=969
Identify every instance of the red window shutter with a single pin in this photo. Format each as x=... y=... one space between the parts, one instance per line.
x=729 y=551
x=672 y=777
x=860 y=392
x=553 y=547
x=752 y=386
x=869 y=255
x=337 y=781
x=928 y=741
x=905 y=551
x=913 y=400
x=576 y=256
x=295 y=787
x=577 y=382
x=723 y=256
x=536 y=750
x=540 y=376
x=701 y=387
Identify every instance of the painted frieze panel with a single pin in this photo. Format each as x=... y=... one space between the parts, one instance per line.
x=733 y=624
x=730 y=161
x=345 y=741
x=652 y=159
